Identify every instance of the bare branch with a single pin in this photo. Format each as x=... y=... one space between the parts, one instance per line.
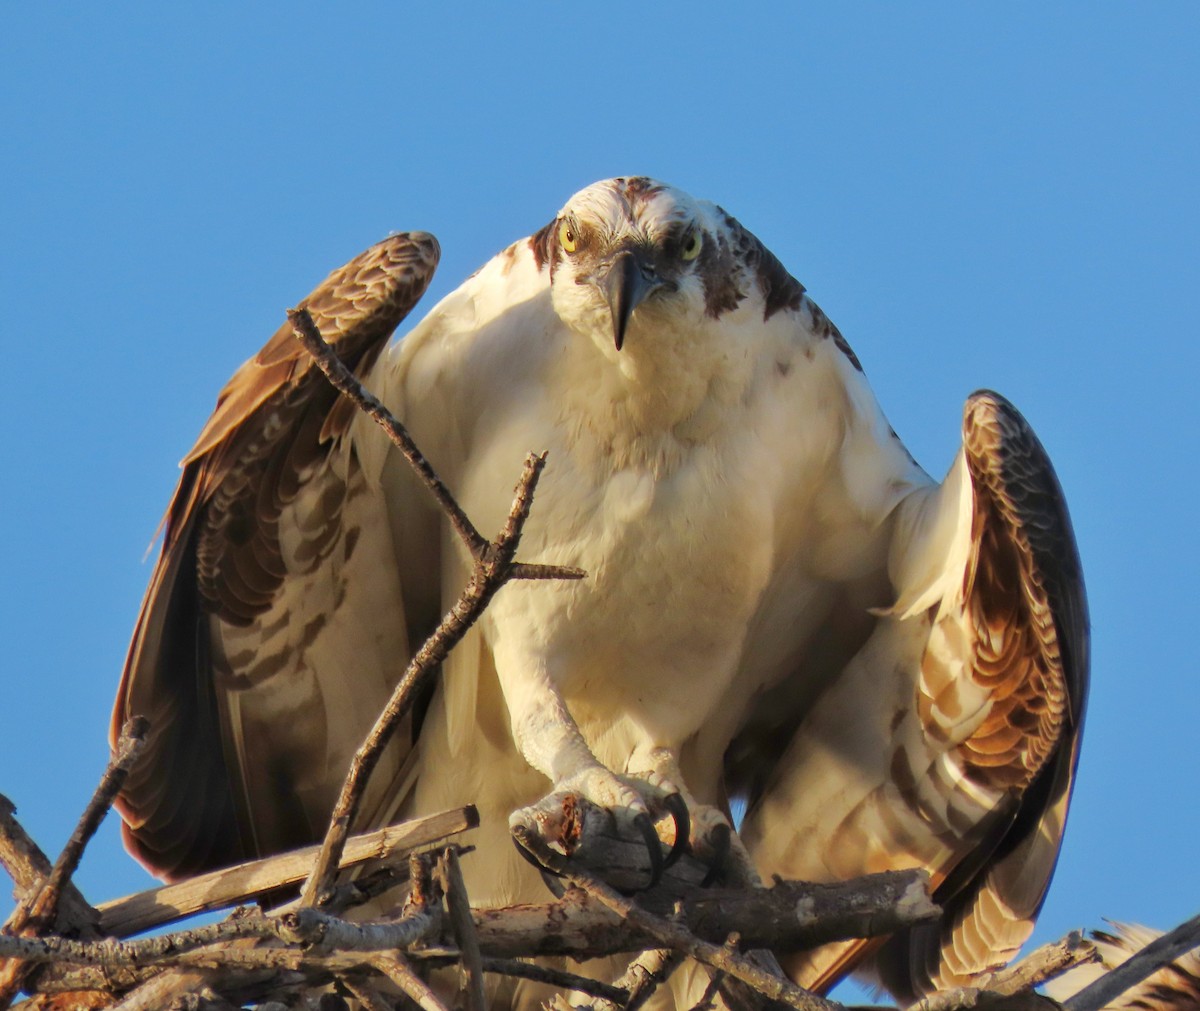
x=647 y=973
x=38 y=911
x=494 y=565
x=370 y=998
x=29 y=867
x=554 y=977
x=708 y=998
x=787 y=917
x=674 y=936
x=974 y=999
x=156 y=907
x=129 y=745
x=1043 y=964
x=490 y=573
x=464 y=930
x=322 y=934
x=397 y=969
x=344 y=381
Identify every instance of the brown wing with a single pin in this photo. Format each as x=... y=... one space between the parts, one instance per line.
x=258 y=541
x=949 y=742
x=1027 y=609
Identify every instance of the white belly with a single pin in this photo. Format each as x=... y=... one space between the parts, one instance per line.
x=645 y=645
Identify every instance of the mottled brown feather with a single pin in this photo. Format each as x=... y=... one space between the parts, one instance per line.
x=275 y=422
x=1024 y=590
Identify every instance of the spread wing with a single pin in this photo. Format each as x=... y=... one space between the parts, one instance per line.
x=270 y=635
x=950 y=741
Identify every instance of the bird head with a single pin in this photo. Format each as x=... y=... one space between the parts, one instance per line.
x=631 y=258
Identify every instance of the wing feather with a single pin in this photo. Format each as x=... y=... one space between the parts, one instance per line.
x=267 y=497
x=950 y=741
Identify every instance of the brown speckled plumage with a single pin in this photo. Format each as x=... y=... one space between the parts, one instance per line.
x=274 y=424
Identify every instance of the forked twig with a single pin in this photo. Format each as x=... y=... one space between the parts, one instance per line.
x=41 y=908
x=38 y=910
x=30 y=868
x=344 y=381
x=494 y=566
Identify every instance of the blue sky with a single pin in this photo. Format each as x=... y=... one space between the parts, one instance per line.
x=979 y=195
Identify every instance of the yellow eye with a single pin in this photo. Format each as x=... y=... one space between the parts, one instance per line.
x=691 y=246
x=567 y=237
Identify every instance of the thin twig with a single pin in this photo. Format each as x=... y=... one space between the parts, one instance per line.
x=157 y=907
x=1156 y=954
x=555 y=977
x=370 y=998
x=129 y=745
x=1043 y=964
x=344 y=381
x=29 y=868
x=489 y=575
x=463 y=924
x=37 y=912
x=708 y=998
x=397 y=969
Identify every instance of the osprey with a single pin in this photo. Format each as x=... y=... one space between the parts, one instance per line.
x=780 y=605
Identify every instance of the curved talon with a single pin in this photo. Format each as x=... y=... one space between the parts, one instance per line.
x=720 y=839
x=554 y=881
x=530 y=858
x=653 y=846
x=678 y=810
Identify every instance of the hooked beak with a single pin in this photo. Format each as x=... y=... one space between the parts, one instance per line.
x=626 y=283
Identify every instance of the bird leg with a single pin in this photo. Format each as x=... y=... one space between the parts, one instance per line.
x=550 y=740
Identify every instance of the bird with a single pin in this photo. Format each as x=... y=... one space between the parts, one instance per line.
x=766 y=566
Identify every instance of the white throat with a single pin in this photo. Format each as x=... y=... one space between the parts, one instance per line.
x=646 y=405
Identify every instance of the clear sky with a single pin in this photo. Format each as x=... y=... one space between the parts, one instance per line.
x=979 y=195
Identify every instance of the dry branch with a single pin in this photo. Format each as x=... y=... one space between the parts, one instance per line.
x=29 y=867
x=463 y=925
x=720 y=957
x=1043 y=964
x=647 y=973
x=313 y=948
x=38 y=909
x=157 y=907
x=494 y=566
x=788 y=917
